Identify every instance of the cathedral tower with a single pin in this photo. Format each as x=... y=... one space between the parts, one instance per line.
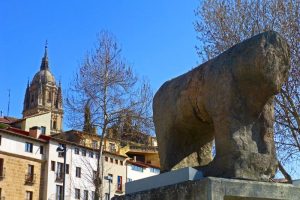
x=43 y=95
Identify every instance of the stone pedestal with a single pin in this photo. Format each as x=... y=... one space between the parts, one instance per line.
x=211 y=188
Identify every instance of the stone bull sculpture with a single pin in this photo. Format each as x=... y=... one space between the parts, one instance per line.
x=229 y=99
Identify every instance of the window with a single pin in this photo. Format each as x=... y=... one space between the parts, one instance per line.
x=78 y=172
x=67 y=168
x=52 y=165
x=60 y=154
x=1 y=168
x=41 y=149
x=106 y=158
x=136 y=168
x=85 y=195
x=154 y=170
x=54 y=125
x=93 y=195
x=119 y=187
x=28 y=147
x=29 y=177
x=60 y=168
x=94 y=174
x=97 y=155
x=94 y=144
x=107 y=196
x=91 y=154
x=77 y=193
x=0 y=139
x=121 y=162
x=83 y=152
x=76 y=150
x=49 y=96
x=111 y=160
x=43 y=130
x=60 y=172
x=116 y=161
x=29 y=195
x=112 y=147
x=59 y=192
x=32 y=98
x=30 y=170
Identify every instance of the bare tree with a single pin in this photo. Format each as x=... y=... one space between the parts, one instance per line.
x=111 y=88
x=222 y=23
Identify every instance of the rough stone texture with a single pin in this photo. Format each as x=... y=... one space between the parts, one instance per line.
x=229 y=99
x=218 y=189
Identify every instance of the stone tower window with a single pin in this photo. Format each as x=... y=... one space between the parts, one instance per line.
x=32 y=98
x=54 y=125
x=49 y=96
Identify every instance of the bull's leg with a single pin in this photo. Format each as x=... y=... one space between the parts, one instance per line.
x=244 y=147
x=185 y=149
x=205 y=154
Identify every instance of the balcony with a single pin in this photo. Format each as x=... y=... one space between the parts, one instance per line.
x=2 y=175
x=120 y=189
x=59 y=177
x=30 y=178
x=148 y=149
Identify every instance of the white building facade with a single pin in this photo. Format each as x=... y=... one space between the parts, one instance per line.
x=138 y=170
x=81 y=166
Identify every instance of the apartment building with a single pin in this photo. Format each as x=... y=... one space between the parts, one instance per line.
x=81 y=167
x=22 y=156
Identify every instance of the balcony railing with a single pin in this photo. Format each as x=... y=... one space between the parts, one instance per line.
x=59 y=177
x=29 y=178
x=2 y=175
x=143 y=148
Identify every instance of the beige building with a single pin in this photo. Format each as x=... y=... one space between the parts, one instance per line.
x=43 y=95
x=22 y=157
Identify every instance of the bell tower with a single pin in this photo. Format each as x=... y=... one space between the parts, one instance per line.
x=43 y=95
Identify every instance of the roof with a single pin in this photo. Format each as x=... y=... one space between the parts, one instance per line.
x=8 y=120
x=115 y=154
x=82 y=146
x=25 y=134
x=44 y=75
x=35 y=115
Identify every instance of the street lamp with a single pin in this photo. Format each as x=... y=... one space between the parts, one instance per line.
x=109 y=178
x=63 y=149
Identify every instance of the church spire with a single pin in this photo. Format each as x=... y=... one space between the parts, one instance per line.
x=27 y=98
x=45 y=64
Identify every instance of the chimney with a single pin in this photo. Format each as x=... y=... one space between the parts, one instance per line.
x=35 y=131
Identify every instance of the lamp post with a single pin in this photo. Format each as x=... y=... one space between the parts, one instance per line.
x=109 y=178
x=63 y=149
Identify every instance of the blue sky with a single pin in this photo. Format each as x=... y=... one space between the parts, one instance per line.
x=157 y=38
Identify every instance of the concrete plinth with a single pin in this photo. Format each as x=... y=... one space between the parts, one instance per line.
x=211 y=188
